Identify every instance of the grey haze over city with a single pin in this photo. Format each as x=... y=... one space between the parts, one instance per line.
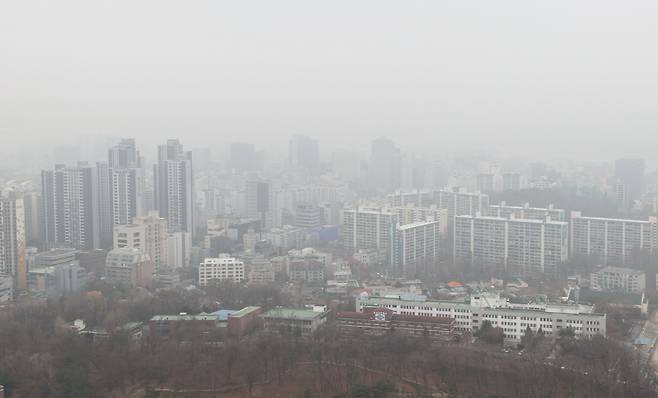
x=328 y=199
x=555 y=79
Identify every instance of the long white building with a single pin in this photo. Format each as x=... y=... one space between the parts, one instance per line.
x=533 y=213
x=521 y=246
x=612 y=241
x=221 y=268
x=470 y=314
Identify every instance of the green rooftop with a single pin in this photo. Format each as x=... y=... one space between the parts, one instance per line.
x=243 y=312
x=292 y=313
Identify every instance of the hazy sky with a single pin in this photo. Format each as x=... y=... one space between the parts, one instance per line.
x=574 y=78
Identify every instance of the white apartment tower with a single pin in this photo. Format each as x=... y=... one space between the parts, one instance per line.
x=612 y=241
x=368 y=228
x=71 y=207
x=519 y=246
x=12 y=240
x=416 y=247
x=174 y=186
x=127 y=182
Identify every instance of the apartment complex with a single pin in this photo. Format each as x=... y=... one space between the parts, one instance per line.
x=612 y=241
x=470 y=314
x=520 y=246
x=223 y=268
x=525 y=211
x=460 y=202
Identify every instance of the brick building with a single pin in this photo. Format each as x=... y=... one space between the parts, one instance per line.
x=378 y=321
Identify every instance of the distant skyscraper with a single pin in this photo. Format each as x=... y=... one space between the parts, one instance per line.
x=385 y=165
x=258 y=200
x=12 y=240
x=485 y=182
x=243 y=157
x=71 y=207
x=104 y=188
x=630 y=174
x=303 y=152
x=127 y=182
x=174 y=182
x=511 y=182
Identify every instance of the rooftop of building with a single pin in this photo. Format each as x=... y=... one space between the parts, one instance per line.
x=185 y=317
x=245 y=311
x=578 y=215
x=57 y=252
x=519 y=220
x=413 y=225
x=293 y=313
x=620 y=270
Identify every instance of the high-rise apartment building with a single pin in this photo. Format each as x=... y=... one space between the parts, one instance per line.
x=459 y=202
x=532 y=213
x=416 y=247
x=12 y=240
x=258 y=198
x=385 y=165
x=308 y=215
x=412 y=214
x=303 y=152
x=630 y=174
x=485 y=182
x=517 y=246
x=243 y=157
x=612 y=241
x=126 y=182
x=71 y=207
x=174 y=186
x=368 y=228
x=512 y=182
x=104 y=209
